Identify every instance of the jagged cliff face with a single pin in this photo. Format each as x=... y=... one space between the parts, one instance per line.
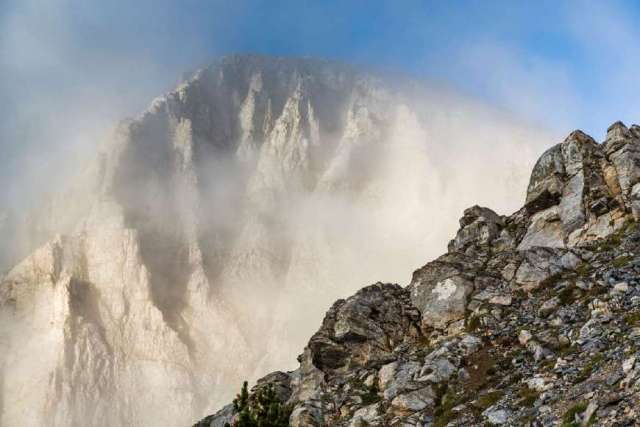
x=580 y=190
x=531 y=319
x=214 y=230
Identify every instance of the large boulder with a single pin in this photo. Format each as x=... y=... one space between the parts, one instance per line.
x=545 y=229
x=546 y=182
x=440 y=289
x=539 y=264
x=364 y=329
x=622 y=148
x=478 y=226
x=567 y=184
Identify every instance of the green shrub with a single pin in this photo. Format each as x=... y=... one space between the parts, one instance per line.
x=584 y=269
x=444 y=413
x=588 y=369
x=472 y=323
x=371 y=395
x=262 y=409
x=632 y=319
x=569 y=294
x=569 y=417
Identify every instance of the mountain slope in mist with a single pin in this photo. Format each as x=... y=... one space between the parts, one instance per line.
x=530 y=319
x=212 y=232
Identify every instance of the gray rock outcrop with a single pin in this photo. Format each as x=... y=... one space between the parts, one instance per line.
x=581 y=190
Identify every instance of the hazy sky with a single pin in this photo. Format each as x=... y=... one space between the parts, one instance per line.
x=70 y=67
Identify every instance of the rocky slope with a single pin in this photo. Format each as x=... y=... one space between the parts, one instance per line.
x=529 y=319
x=212 y=232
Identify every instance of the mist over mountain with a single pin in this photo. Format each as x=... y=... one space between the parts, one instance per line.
x=210 y=234
x=529 y=319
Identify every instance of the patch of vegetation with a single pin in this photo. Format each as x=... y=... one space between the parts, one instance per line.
x=444 y=412
x=565 y=349
x=519 y=294
x=423 y=342
x=527 y=396
x=621 y=261
x=547 y=364
x=595 y=291
x=584 y=269
x=261 y=409
x=515 y=378
x=371 y=395
x=587 y=370
x=569 y=418
x=479 y=366
x=609 y=244
x=355 y=383
x=527 y=419
x=614 y=240
x=472 y=323
x=632 y=319
x=630 y=226
x=488 y=399
x=550 y=281
x=569 y=294
x=511 y=227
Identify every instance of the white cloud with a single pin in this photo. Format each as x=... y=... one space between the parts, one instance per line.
x=535 y=88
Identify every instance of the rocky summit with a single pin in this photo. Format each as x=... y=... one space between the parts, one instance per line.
x=531 y=319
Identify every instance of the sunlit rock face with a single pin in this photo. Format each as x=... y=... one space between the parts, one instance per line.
x=212 y=232
x=581 y=190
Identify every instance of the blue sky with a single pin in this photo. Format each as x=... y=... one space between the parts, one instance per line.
x=74 y=63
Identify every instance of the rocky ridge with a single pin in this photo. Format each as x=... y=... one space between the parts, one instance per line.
x=531 y=319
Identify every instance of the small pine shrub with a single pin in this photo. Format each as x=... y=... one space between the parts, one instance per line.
x=262 y=409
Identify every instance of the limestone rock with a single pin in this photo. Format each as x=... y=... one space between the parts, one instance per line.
x=366 y=416
x=622 y=148
x=496 y=416
x=478 y=226
x=580 y=191
x=415 y=400
x=402 y=379
x=220 y=419
x=540 y=264
x=545 y=230
x=546 y=183
x=440 y=291
x=352 y=333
